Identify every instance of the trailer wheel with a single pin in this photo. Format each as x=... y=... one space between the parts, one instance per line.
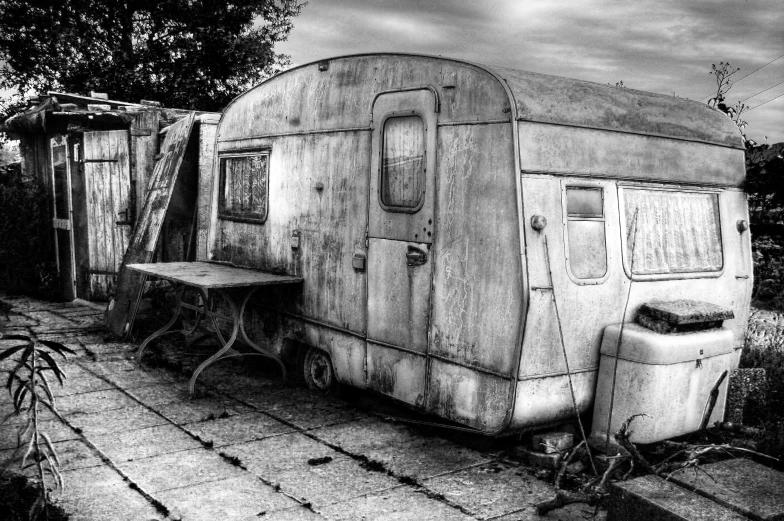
x=318 y=371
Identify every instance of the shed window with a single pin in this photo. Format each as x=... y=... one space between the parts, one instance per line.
x=403 y=164
x=677 y=232
x=586 y=232
x=244 y=183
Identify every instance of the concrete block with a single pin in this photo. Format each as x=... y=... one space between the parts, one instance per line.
x=135 y=444
x=238 y=429
x=747 y=487
x=538 y=459
x=651 y=497
x=398 y=503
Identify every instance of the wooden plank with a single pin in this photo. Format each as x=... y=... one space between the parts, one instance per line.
x=121 y=310
x=207 y=133
x=107 y=177
x=209 y=275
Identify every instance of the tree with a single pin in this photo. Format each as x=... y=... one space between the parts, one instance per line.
x=196 y=54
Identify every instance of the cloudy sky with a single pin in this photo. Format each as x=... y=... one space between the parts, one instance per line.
x=664 y=46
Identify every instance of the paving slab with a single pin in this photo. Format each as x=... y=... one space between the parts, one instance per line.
x=394 y=504
x=362 y=436
x=160 y=394
x=116 y=420
x=298 y=513
x=200 y=409
x=317 y=413
x=490 y=490
x=77 y=381
x=179 y=469
x=125 y=374
x=745 y=486
x=93 y=401
x=426 y=457
x=271 y=456
x=238 y=429
x=244 y=497
x=126 y=506
x=338 y=480
x=93 y=481
x=55 y=429
x=651 y=497
x=136 y=444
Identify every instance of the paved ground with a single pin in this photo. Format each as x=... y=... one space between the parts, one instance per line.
x=135 y=447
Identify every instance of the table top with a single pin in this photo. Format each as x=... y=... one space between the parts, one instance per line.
x=208 y=275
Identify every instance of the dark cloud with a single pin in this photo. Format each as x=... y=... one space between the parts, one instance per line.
x=662 y=46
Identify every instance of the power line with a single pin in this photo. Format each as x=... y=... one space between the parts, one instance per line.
x=760 y=92
x=761 y=104
x=746 y=76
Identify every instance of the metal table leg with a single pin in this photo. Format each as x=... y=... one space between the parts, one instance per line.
x=236 y=318
x=178 y=289
x=261 y=350
x=238 y=329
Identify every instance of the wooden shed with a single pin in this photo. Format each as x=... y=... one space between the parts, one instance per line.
x=95 y=157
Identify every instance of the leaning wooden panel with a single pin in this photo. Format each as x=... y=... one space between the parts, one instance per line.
x=121 y=310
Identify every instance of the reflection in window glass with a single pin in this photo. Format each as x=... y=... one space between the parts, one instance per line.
x=677 y=232
x=244 y=187
x=402 y=166
x=586 y=232
x=586 y=202
x=59 y=165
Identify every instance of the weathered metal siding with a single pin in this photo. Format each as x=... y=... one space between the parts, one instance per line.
x=477 y=288
x=586 y=309
x=551 y=99
x=478 y=282
x=208 y=126
x=627 y=156
x=306 y=99
x=331 y=224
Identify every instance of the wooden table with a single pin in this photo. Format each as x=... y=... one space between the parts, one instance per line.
x=235 y=285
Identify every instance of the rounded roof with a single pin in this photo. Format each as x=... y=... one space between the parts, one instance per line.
x=544 y=98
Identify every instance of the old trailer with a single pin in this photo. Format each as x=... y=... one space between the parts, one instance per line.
x=445 y=215
x=95 y=157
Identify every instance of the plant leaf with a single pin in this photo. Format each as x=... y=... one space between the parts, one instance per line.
x=16 y=337
x=49 y=360
x=11 y=351
x=59 y=374
x=29 y=450
x=20 y=395
x=47 y=390
x=51 y=448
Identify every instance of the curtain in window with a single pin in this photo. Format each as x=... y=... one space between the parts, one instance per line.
x=677 y=232
x=245 y=185
x=402 y=176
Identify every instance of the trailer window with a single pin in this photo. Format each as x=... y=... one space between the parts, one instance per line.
x=586 y=232
x=244 y=181
x=403 y=163
x=676 y=232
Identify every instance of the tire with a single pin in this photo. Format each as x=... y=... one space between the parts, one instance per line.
x=318 y=372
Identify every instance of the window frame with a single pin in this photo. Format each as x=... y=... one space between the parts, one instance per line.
x=423 y=180
x=622 y=187
x=566 y=218
x=225 y=215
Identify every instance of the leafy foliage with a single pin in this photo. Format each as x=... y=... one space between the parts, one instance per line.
x=29 y=388
x=24 y=226
x=184 y=53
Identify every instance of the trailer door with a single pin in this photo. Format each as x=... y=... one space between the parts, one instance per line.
x=400 y=235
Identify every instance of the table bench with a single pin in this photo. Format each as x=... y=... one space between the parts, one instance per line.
x=235 y=285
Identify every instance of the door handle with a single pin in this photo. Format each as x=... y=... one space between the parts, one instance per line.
x=415 y=256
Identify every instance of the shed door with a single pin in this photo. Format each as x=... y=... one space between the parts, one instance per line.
x=400 y=235
x=62 y=220
x=109 y=211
